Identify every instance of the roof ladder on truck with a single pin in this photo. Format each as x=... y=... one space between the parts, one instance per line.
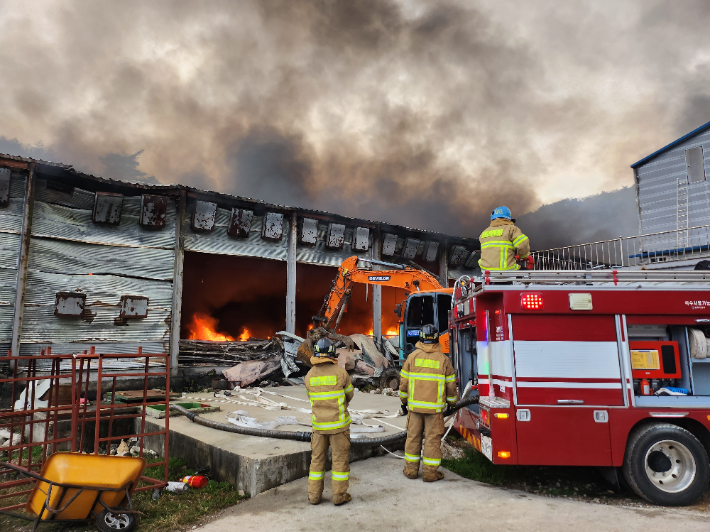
x=608 y=278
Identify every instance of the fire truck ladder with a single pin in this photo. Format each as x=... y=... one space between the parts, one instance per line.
x=682 y=213
x=587 y=277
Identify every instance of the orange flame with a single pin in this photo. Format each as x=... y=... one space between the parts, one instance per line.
x=204 y=327
x=390 y=332
x=245 y=335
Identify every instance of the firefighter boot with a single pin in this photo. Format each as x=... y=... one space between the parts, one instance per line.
x=319 y=447
x=340 y=445
x=410 y=472
x=431 y=476
x=434 y=431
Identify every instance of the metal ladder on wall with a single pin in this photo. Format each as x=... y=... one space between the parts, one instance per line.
x=682 y=215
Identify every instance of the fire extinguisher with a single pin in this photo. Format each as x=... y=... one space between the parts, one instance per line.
x=195 y=481
x=645 y=387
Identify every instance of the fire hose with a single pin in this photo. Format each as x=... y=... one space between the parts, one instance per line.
x=300 y=436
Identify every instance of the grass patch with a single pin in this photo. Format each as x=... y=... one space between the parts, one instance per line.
x=174 y=511
x=170 y=512
x=577 y=482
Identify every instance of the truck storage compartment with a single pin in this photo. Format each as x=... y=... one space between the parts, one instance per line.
x=670 y=365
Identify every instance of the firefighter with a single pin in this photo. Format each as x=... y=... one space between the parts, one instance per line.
x=428 y=385
x=330 y=391
x=501 y=242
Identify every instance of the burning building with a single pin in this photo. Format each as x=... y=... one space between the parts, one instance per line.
x=88 y=261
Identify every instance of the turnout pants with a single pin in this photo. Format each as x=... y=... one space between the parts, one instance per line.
x=340 y=471
x=432 y=427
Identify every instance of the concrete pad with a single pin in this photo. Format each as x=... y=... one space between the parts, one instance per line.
x=258 y=464
x=383 y=499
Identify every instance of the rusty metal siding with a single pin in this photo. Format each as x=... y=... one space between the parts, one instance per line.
x=219 y=242
x=58 y=256
x=68 y=251
x=103 y=306
x=67 y=223
x=10 y=230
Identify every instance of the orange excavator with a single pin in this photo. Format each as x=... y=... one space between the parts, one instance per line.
x=427 y=301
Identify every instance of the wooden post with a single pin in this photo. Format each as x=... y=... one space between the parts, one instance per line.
x=176 y=314
x=376 y=291
x=291 y=275
x=24 y=260
x=443 y=265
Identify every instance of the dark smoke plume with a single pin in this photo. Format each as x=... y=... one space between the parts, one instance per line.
x=422 y=113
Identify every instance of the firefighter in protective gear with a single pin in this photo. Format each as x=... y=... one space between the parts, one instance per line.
x=330 y=391
x=428 y=385
x=501 y=242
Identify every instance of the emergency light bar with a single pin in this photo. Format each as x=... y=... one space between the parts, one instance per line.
x=531 y=301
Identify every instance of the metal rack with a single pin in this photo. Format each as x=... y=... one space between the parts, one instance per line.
x=621 y=278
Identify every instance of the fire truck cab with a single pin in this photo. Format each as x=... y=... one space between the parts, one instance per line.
x=581 y=368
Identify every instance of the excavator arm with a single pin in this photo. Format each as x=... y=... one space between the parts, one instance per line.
x=410 y=279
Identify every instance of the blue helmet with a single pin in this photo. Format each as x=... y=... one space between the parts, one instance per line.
x=501 y=212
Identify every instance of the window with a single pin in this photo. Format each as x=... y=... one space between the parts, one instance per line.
x=421 y=311
x=696 y=164
x=444 y=305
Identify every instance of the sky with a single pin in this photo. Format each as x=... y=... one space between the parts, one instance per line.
x=423 y=113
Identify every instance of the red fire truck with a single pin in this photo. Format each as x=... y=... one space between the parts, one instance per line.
x=590 y=368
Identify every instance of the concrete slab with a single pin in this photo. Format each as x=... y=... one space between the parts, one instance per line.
x=383 y=499
x=258 y=464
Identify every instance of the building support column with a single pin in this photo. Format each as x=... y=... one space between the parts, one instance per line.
x=291 y=275
x=176 y=314
x=376 y=292
x=443 y=265
x=24 y=260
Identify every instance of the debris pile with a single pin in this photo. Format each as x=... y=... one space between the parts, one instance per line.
x=285 y=358
x=222 y=353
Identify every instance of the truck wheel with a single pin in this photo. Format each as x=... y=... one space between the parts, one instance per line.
x=390 y=379
x=666 y=465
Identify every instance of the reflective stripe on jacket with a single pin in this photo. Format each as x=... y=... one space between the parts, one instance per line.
x=500 y=243
x=428 y=381
x=329 y=391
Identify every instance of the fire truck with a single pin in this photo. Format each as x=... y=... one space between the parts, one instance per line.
x=589 y=368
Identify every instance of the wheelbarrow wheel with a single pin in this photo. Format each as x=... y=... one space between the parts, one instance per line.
x=109 y=522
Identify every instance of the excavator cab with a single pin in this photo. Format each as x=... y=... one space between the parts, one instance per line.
x=420 y=309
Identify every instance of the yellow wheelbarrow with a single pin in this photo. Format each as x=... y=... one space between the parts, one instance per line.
x=80 y=487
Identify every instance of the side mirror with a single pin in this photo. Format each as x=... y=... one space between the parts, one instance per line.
x=398 y=309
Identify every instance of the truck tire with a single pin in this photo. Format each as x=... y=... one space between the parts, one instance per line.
x=390 y=378
x=666 y=465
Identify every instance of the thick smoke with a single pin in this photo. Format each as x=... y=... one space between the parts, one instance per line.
x=422 y=113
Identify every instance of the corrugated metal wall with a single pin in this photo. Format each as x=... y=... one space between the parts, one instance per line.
x=10 y=231
x=219 y=242
x=69 y=252
x=658 y=188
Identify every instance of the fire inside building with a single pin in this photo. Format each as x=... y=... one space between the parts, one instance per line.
x=88 y=261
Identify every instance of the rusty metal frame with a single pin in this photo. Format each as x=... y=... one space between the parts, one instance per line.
x=23 y=417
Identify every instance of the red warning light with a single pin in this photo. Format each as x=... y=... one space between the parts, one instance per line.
x=531 y=301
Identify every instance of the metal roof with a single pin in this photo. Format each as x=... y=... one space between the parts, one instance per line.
x=671 y=145
x=54 y=168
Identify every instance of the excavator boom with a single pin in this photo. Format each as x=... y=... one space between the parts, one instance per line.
x=409 y=279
